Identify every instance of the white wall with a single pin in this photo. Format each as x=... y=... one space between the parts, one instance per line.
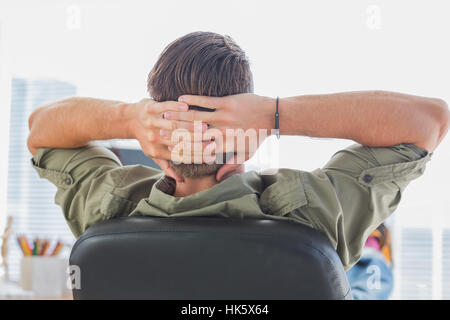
x=296 y=47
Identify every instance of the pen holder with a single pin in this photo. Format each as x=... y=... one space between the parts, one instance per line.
x=45 y=276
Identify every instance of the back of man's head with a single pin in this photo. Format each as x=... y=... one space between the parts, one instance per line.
x=200 y=63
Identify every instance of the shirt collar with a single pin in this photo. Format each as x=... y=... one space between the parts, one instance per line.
x=236 y=186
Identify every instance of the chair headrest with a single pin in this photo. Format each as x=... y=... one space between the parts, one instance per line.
x=206 y=258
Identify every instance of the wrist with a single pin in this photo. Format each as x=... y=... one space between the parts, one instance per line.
x=129 y=115
x=268 y=106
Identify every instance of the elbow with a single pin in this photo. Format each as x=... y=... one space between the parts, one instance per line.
x=31 y=119
x=30 y=145
x=444 y=119
x=439 y=122
x=31 y=140
x=34 y=115
x=440 y=115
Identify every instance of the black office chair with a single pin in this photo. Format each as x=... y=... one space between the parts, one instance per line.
x=206 y=258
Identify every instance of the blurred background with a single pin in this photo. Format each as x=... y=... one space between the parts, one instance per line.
x=50 y=49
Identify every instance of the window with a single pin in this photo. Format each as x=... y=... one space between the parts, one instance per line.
x=29 y=198
x=416 y=258
x=446 y=264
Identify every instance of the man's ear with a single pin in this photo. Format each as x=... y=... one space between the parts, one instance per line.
x=228 y=169
x=171 y=173
x=164 y=164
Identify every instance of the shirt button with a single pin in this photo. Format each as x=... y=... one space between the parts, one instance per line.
x=367 y=178
x=68 y=181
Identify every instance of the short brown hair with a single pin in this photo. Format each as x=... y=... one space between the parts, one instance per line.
x=200 y=63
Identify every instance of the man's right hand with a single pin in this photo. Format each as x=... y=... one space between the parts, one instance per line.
x=148 y=126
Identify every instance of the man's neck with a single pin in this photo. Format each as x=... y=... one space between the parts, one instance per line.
x=194 y=185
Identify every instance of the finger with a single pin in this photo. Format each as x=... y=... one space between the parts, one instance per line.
x=164 y=164
x=158 y=152
x=184 y=152
x=160 y=107
x=193 y=145
x=193 y=115
x=203 y=101
x=172 y=125
x=162 y=124
x=166 y=141
x=197 y=147
x=190 y=126
x=162 y=152
x=186 y=135
x=236 y=145
x=171 y=137
x=197 y=153
x=188 y=147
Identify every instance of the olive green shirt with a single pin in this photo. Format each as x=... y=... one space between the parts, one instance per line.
x=345 y=200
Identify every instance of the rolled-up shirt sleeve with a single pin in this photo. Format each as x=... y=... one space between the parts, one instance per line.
x=357 y=190
x=81 y=178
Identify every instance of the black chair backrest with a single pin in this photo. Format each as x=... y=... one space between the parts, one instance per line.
x=206 y=258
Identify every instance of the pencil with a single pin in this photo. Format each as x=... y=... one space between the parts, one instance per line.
x=25 y=246
x=39 y=246
x=19 y=240
x=34 y=247
x=57 y=248
x=44 y=248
